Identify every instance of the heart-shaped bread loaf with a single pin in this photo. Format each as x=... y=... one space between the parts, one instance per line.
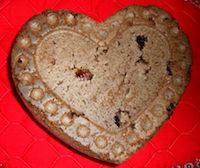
x=103 y=88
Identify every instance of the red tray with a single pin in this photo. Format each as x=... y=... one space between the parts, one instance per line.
x=24 y=144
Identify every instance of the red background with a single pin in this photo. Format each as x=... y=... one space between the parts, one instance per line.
x=24 y=144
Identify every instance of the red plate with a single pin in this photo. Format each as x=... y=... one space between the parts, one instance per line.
x=23 y=144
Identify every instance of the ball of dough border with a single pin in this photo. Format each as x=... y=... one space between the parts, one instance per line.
x=101 y=141
x=37 y=94
x=26 y=78
x=117 y=148
x=24 y=42
x=50 y=107
x=35 y=26
x=66 y=120
x=83 y=131
x=22 y=61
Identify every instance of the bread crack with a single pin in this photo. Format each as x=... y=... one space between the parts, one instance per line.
x=141 y=39
x=142 y=60
x=122 y=118
x=169 y=70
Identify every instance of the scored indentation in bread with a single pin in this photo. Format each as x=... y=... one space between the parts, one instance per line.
x=96 y=81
